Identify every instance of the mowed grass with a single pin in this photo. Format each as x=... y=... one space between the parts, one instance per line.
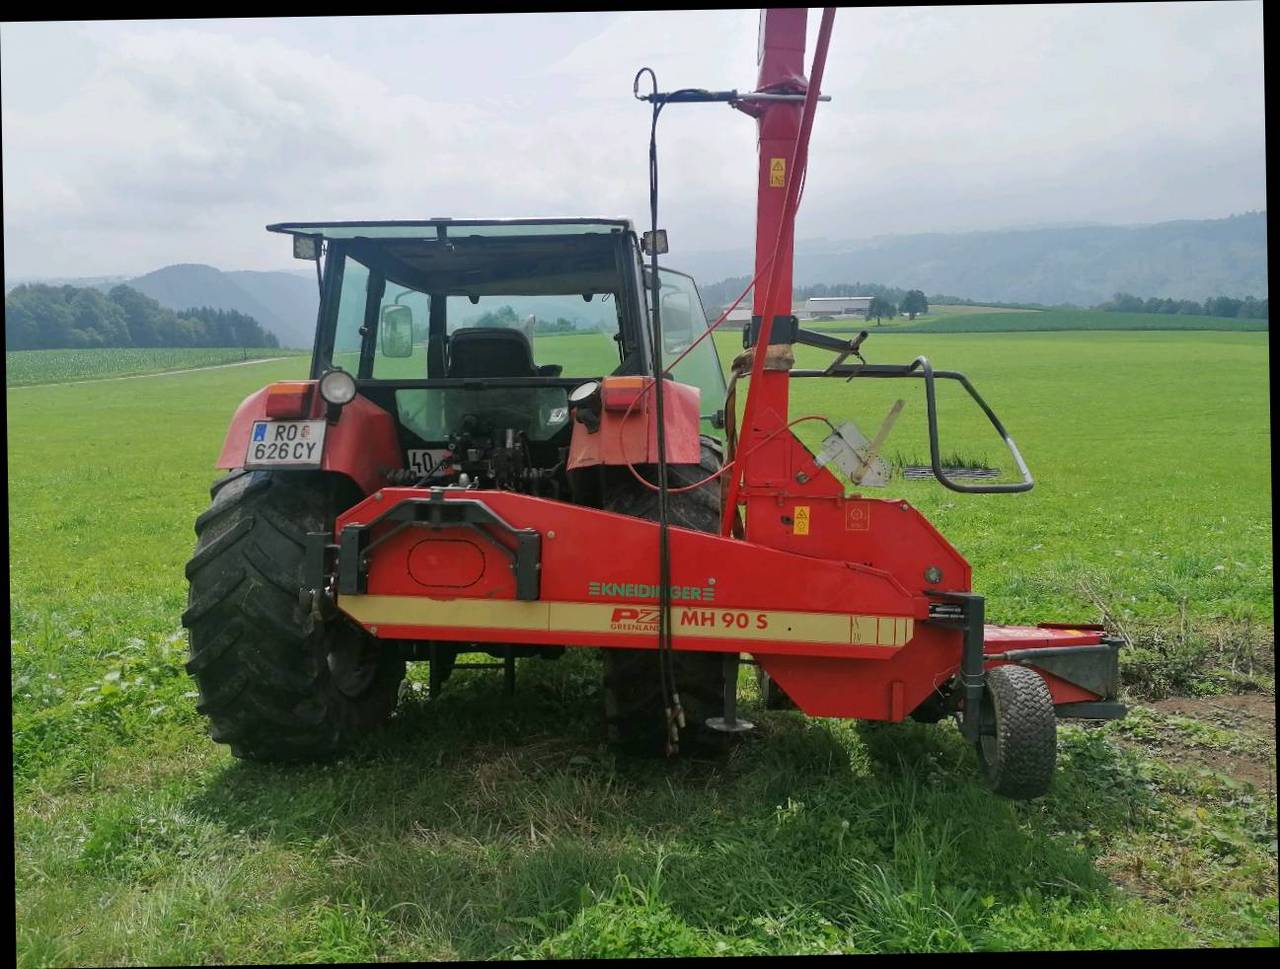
x=476 y=826
x=26 y=367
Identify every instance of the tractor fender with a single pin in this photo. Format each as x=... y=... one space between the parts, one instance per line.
x=632 y=437
x=362 y=443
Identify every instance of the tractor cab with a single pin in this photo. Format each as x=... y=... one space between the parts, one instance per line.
x=473 y=333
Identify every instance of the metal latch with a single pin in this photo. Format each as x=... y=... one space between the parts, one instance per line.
x=857 y=457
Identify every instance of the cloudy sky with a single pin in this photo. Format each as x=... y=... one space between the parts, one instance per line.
x=132 y=145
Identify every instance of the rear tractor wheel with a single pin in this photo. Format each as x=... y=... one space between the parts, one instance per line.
x=1018 y=743
x=277 y=683
x=634 y=711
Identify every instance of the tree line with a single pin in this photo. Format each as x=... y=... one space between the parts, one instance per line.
x=42 y=317
x=886 y=300
x=721 y=294
x=1227 y=307
x=506 y=316
x=889 y=301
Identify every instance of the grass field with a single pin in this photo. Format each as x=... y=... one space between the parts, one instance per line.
x=478 y=827
x=963 y=309
x=26 y=367
x=987 y=319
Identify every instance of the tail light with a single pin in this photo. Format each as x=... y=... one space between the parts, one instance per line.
x=620 y=393
x=290 y=399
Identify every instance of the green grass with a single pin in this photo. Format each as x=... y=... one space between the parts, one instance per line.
x=478 y=827
x=964 y=309
x=1049 y=320
x=27 y=367
x=947 y=319
x=1151 y=454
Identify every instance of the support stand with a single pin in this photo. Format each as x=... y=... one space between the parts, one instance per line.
x=730 y=723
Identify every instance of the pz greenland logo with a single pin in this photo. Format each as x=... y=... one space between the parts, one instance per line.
x=634 y=619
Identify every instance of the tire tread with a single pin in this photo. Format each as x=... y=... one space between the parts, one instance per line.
x=1025 y=726
x=256 y=654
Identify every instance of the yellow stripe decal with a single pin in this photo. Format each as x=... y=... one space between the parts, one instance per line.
x=707 y=622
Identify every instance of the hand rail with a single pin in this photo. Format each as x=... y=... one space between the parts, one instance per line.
x=920 y=367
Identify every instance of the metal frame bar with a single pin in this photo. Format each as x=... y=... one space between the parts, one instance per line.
x=309 y=228
x=921 y=368
x=971 y=618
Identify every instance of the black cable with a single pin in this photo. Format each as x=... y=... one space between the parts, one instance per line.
x=666 y=665
x=666 y=671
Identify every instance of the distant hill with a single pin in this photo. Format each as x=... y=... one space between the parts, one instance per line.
x=284 y=303
x=293 y=299
x=1081 y=264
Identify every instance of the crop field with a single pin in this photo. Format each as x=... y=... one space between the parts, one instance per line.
x=476 y=826
x=964 y=309
x=27 y=367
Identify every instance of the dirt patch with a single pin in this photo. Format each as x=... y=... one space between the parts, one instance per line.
x=1251 y=715
x=1248 y=710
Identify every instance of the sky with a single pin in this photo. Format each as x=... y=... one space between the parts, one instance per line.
x=130 y=145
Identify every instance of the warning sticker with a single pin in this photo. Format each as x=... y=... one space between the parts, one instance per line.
x=857 y=518
x=801 y=520
x=777 y=172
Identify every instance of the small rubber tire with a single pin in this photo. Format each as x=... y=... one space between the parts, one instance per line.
x=276 y=683
x=773 y=696
x=635 y=716
x=1018 y=744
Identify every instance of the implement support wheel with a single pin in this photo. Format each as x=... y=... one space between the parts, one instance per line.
x=1018 y=745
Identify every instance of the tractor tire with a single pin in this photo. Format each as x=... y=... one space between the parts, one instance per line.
x=634 y=713
x=276 y=683
x=773 y=696
x=1018 y=745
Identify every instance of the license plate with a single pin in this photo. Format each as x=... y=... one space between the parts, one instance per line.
x=426 y=460
x=293 y=444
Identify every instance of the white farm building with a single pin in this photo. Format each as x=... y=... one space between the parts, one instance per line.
x=817 y=306
x=742 y=312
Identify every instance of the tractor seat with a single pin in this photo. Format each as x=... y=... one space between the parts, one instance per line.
x=490 y=351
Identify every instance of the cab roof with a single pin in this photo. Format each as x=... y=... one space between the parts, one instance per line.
x=451 y=228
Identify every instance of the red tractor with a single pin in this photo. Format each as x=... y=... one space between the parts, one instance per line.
x=483 y=461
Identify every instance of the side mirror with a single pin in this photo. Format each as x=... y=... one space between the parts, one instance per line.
x=654 y=242
x=395 y=327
